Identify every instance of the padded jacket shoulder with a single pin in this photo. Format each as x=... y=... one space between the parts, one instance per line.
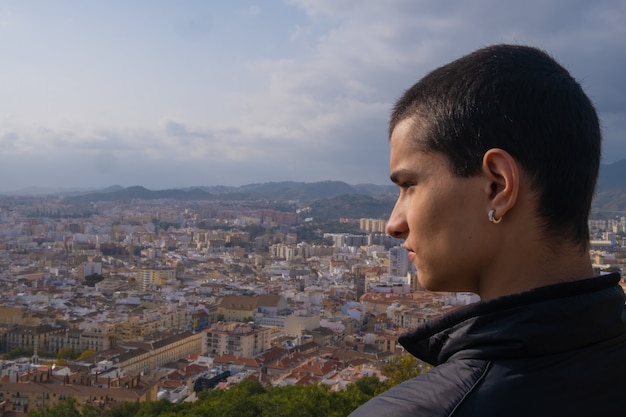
x=437 y=393
x=552 y=351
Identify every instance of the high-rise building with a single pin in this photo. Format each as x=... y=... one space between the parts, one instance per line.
x=158 y=277
x=372 y=225
x=89 y=268
x=398 y=261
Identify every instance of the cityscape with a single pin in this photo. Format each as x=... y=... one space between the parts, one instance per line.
x=132 y=300
x=191 y=217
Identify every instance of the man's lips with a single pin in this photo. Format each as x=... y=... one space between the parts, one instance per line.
x=411 y=254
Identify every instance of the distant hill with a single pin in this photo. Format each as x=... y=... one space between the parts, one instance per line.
x=326 y=200
x=348 y=199
x=138 y=192
x=612 y=176
x=610 y=201
x=611 y=189
x=279 y=191
x=353 y=206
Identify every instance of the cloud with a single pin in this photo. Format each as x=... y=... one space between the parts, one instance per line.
x=194 y=26
x=104 y=162
x=9 y=141
x=300 y=90
x=253 y=10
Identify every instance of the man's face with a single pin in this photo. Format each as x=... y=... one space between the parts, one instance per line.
x=439 y=215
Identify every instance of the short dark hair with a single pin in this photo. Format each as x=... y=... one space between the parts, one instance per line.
x=521 y=100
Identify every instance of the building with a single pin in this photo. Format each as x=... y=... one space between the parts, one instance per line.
x=158 y=277
x=93 y=336
x=89 y=268
x=98 y=337
x=243 y=307
x=165 y=318
x=32 y=337
x=237 y=339
x=297 y=325
x=342 y=239
x=71 y=338
x=398 y=261
x=322 y=336
x=372 y=225
x=10 y=315
x=167 y=349
x=148 y=355
x=33 y=389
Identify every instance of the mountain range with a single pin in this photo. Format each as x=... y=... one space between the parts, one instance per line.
x=610 y=195
x=272 y=191
x=611 y=189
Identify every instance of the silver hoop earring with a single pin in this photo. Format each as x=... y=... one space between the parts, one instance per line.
x=492 y=217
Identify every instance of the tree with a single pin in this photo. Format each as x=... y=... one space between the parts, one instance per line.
x=254 y=230
x=18 y=352
x=65 y=353
x=240 y=400
x=359 y=392
x=64 y=408
x=154 y=408
x=302 y=401
x=402 y=368
x=252 y=399
x=92 y=279
x=127 y=409
x=89 y=410
x=85 y=354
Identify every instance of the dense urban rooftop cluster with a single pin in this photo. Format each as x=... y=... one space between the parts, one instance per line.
x=137 y=300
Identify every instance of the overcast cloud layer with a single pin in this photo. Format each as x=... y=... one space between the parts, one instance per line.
x=173 y=94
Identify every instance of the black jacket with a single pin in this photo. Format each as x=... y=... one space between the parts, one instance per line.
x=553 y=351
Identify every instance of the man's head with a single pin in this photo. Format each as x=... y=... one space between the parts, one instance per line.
x=520 y=100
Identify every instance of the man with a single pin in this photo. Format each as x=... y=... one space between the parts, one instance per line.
x=496 y=156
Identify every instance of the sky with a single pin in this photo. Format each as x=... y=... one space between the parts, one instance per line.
x=170 y=94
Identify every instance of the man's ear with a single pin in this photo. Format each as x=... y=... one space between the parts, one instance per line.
x=503 y=173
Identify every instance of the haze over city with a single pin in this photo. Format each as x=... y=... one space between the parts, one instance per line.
x=176 y=94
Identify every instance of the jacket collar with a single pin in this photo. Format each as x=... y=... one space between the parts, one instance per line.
x=537 y=322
